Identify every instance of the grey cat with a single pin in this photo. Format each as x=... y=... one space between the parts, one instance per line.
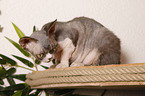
x=79 y=42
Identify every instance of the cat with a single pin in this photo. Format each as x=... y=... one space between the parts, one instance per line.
x=79 y=42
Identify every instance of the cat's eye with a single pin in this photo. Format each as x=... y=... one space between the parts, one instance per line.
x=39 y=55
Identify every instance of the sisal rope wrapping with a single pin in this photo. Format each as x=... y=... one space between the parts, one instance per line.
x=108 y=73
x=88 y=79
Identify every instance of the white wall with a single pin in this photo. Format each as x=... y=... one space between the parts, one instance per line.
x=126 y=18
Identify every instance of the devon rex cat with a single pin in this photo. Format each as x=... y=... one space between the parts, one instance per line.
x=81 y=41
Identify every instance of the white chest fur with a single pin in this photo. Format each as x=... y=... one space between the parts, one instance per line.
x=87 y=57
x=68 y=49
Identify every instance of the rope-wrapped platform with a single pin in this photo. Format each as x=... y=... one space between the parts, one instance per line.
x=125 y=74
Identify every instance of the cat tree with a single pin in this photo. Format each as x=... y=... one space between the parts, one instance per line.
x=106 y=76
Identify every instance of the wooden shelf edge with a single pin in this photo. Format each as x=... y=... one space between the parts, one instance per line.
x=91 y=85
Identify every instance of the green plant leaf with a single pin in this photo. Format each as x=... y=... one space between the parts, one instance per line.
x=26 y=91
x=9 y=60
x=1 y=82
x=34 y=28
x=11 y=71
x=18 y=93
x=1 y=87
x=11 y=80
x=18 y=47
x=14 y=87
x=2 y=72
x=4 y=93
x=31 y=92
x=44 y=67
x=24 y=61
x=37 y=93
x=19 y=32
x=21 y=77
x=37 y=61
x=2 y=61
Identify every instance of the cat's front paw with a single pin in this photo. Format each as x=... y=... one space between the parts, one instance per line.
x=76 y=64
x=62 y=65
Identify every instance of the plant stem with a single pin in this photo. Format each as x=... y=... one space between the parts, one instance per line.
x=35 y=64
x=25 y=68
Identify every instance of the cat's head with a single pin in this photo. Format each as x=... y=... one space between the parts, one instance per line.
x=40 y=43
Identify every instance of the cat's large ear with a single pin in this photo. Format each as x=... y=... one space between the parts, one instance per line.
x=25 y=40
x=51 y=28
